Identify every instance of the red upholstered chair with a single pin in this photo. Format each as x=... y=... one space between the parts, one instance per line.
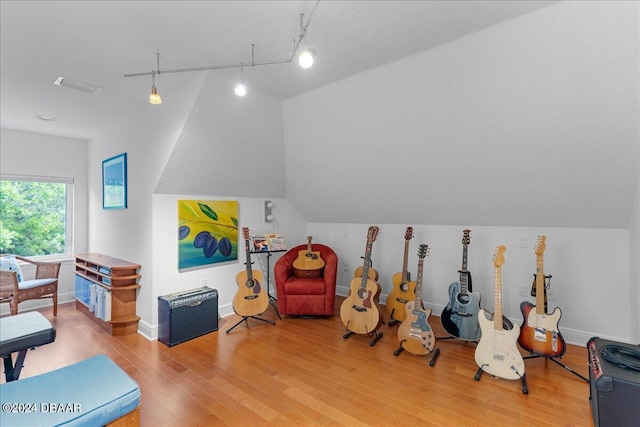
x=306 y=296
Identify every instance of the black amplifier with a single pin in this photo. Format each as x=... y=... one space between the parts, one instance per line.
x=614 y=376
x=186 y=315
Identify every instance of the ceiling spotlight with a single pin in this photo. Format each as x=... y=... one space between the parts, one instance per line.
x=154 y=98
x=46 y=118
x=241 y=89
x=306 y=58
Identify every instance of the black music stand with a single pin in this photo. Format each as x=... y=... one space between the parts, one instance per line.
x=272 y=300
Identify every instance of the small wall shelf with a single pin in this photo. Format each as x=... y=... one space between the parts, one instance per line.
x=117 y=276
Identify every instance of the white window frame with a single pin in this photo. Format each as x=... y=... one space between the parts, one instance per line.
x=68 y=181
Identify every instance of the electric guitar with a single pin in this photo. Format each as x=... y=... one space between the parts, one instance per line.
x=539 y=333
x=250 y=298
x=497 y=352
x=309 y=263
x=403 y=288
x=460 y=317
x=415 y=334
x=359 y=311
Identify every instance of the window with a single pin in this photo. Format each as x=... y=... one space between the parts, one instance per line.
x=36 y=215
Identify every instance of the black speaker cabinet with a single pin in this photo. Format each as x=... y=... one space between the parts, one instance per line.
x=614 y=389
x=186 y=315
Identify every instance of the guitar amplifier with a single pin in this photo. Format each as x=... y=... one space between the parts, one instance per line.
x=614 y=376
x=186 y=315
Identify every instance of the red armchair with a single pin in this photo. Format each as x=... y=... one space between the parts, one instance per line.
x=303 y=296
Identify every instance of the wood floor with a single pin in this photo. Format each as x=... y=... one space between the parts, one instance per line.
x=303 y=372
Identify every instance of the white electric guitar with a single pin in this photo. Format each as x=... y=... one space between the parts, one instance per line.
x=497 y=352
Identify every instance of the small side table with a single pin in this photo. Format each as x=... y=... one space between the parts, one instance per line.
x=272 y=299
x=20 y=333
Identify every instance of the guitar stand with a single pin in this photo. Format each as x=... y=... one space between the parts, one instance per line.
x=553 y=359
x=244 y=319
x=434 y=356
x=393 y=321
x=377 y=335
x=523 y=378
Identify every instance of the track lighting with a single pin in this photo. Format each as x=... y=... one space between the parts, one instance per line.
x=241 y=89
x=305 y=59
x=154 y=98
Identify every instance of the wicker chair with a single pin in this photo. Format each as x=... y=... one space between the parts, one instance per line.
x=44 y=285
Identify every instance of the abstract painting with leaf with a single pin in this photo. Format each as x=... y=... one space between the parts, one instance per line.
x=207 y=232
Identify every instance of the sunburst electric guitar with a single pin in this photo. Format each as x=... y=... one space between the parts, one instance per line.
x=460 y=317
x=359 y=311
x=309 y=263
x=539 y=333
x=415 y=334
x=250 y=298
x=403 y=288
x=497 y=352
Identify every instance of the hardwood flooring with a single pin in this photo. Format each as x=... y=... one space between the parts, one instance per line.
x=303 y=372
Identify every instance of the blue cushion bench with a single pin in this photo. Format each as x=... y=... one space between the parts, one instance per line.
x=93 y=392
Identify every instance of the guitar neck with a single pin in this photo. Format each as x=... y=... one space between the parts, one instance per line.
x=463 y=271
x=418 y=291
x=367 y=262
x=541 y=295
x=405 y=277
x=497 y=316
x=247 y=247
x=309 y=250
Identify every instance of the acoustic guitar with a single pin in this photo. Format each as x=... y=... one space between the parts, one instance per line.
x=403 y=288
x=309 y=263
x=460 y=317
x=539 y=333
x=250 y=298
x=415 y=334
x=359 y=311
x=497 y=352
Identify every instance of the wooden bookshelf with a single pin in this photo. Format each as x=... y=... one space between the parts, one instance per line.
x=121 y=278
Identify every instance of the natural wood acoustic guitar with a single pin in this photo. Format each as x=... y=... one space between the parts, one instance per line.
x=415 y=334
x=497 y=352
x=359 y=311
x=309 y=263
x=250 y=298
x=539 y=333
x=403 y=288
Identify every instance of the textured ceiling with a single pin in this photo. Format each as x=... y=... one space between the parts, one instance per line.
x=99 y=41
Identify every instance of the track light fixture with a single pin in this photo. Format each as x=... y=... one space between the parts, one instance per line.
x=305 y=59
x=154 y=98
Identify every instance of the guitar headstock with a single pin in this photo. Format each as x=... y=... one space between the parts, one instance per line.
x=540 y=245
x=245 y=233
x=465 y=237
x=498 y=256
x=423 y=251
x=408 y=234
x=372 y=234
x=309 y=239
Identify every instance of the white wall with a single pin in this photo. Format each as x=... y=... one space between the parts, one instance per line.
x=589 y=268
x=168 y=279
x=148 y=139
x=634 y=265
x=45 y=155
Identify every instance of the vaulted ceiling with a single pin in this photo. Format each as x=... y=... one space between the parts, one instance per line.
x=532 y=124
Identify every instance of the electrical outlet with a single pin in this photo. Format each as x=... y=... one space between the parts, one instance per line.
x=522 y=241
x=523 y=290
x=346 y=267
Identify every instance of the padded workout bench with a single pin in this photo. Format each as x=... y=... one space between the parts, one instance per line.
x=20 y=333
x=93 y=392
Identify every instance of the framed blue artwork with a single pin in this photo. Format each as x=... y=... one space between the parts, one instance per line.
x=114 y=182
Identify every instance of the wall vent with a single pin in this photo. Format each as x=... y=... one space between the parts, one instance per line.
x=77 y=85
